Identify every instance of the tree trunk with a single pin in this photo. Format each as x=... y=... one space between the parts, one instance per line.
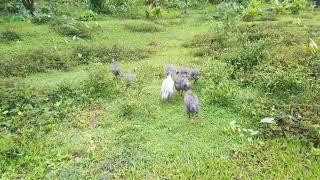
x=29 y=5
x=318 y=3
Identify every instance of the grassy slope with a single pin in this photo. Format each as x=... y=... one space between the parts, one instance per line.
x=98 y=142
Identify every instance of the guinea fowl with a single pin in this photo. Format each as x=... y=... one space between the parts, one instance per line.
x=191 y=103
x=170 y=69
x=190 y=73
x=182 y=83
x=116 y=69
x=195 y=74
x=129 y=78
x=184 y=71
x=167 y=87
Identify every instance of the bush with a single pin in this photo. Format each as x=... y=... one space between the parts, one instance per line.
x=118 y=6
x=222 y=94
x=69 y=27
x=210 y=44
x=281 y=81
x=129 y=107
x=297 y=5
x=154 y=12
x=41 y=18
x=200 y=40
x=100 y=84
x=26 y=112
x=280 y=8
x=21 y=102
x=33 y=61
x=143 y=27
x=104 y=54
x=216 y=71
x=87 y=16
x=10 y=35
x=251 y=11
x=250 y=56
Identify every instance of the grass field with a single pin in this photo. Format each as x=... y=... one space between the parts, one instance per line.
x=80 y=123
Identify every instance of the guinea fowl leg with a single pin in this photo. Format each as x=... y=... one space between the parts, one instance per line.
x=192 y=121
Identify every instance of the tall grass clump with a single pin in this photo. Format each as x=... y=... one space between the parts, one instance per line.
x=10 y=35
x=144 y=27
x=251 y=55
x=100 y=84
x=69 y=27
x=34 y=61
x=102 y=53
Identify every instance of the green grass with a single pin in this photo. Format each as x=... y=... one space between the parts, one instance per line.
x=155 y=139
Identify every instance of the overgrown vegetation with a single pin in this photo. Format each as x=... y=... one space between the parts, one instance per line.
x=69 y=27
x=63 y=115
x=104 y=54
x=33 y=61
x=283 y=76
x=10 y=35
x=144 y=27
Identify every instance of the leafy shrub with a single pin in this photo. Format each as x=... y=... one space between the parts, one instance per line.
x=154 y=12
x=27 y=112
x=251 y=11
x=21 y=102
x=298 y=117
x=281 y=81
x=256 y=32
x=251 y=55
x=210 y=44
x=116 y=6
x=216 y=71
x=41 y=18
x=280 y=7
x=87 y=16
x=222 y=94
x=104 y=54
x=10 y=35
x=100 y=84
x=297 y=5
x=128 y=107
x=69 y=27
x=35 y=60
x=83 y=54
x=200 y=40
x=267 y=17
x=143 y=27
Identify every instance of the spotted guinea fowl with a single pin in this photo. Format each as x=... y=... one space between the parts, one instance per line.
x=195 y=74
x=185 y=71
x=116 y=69
x=181 y=83
x=191 y=103
x=190 y=73
x=167 y=88
x=170 y=69
x=129 y=77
